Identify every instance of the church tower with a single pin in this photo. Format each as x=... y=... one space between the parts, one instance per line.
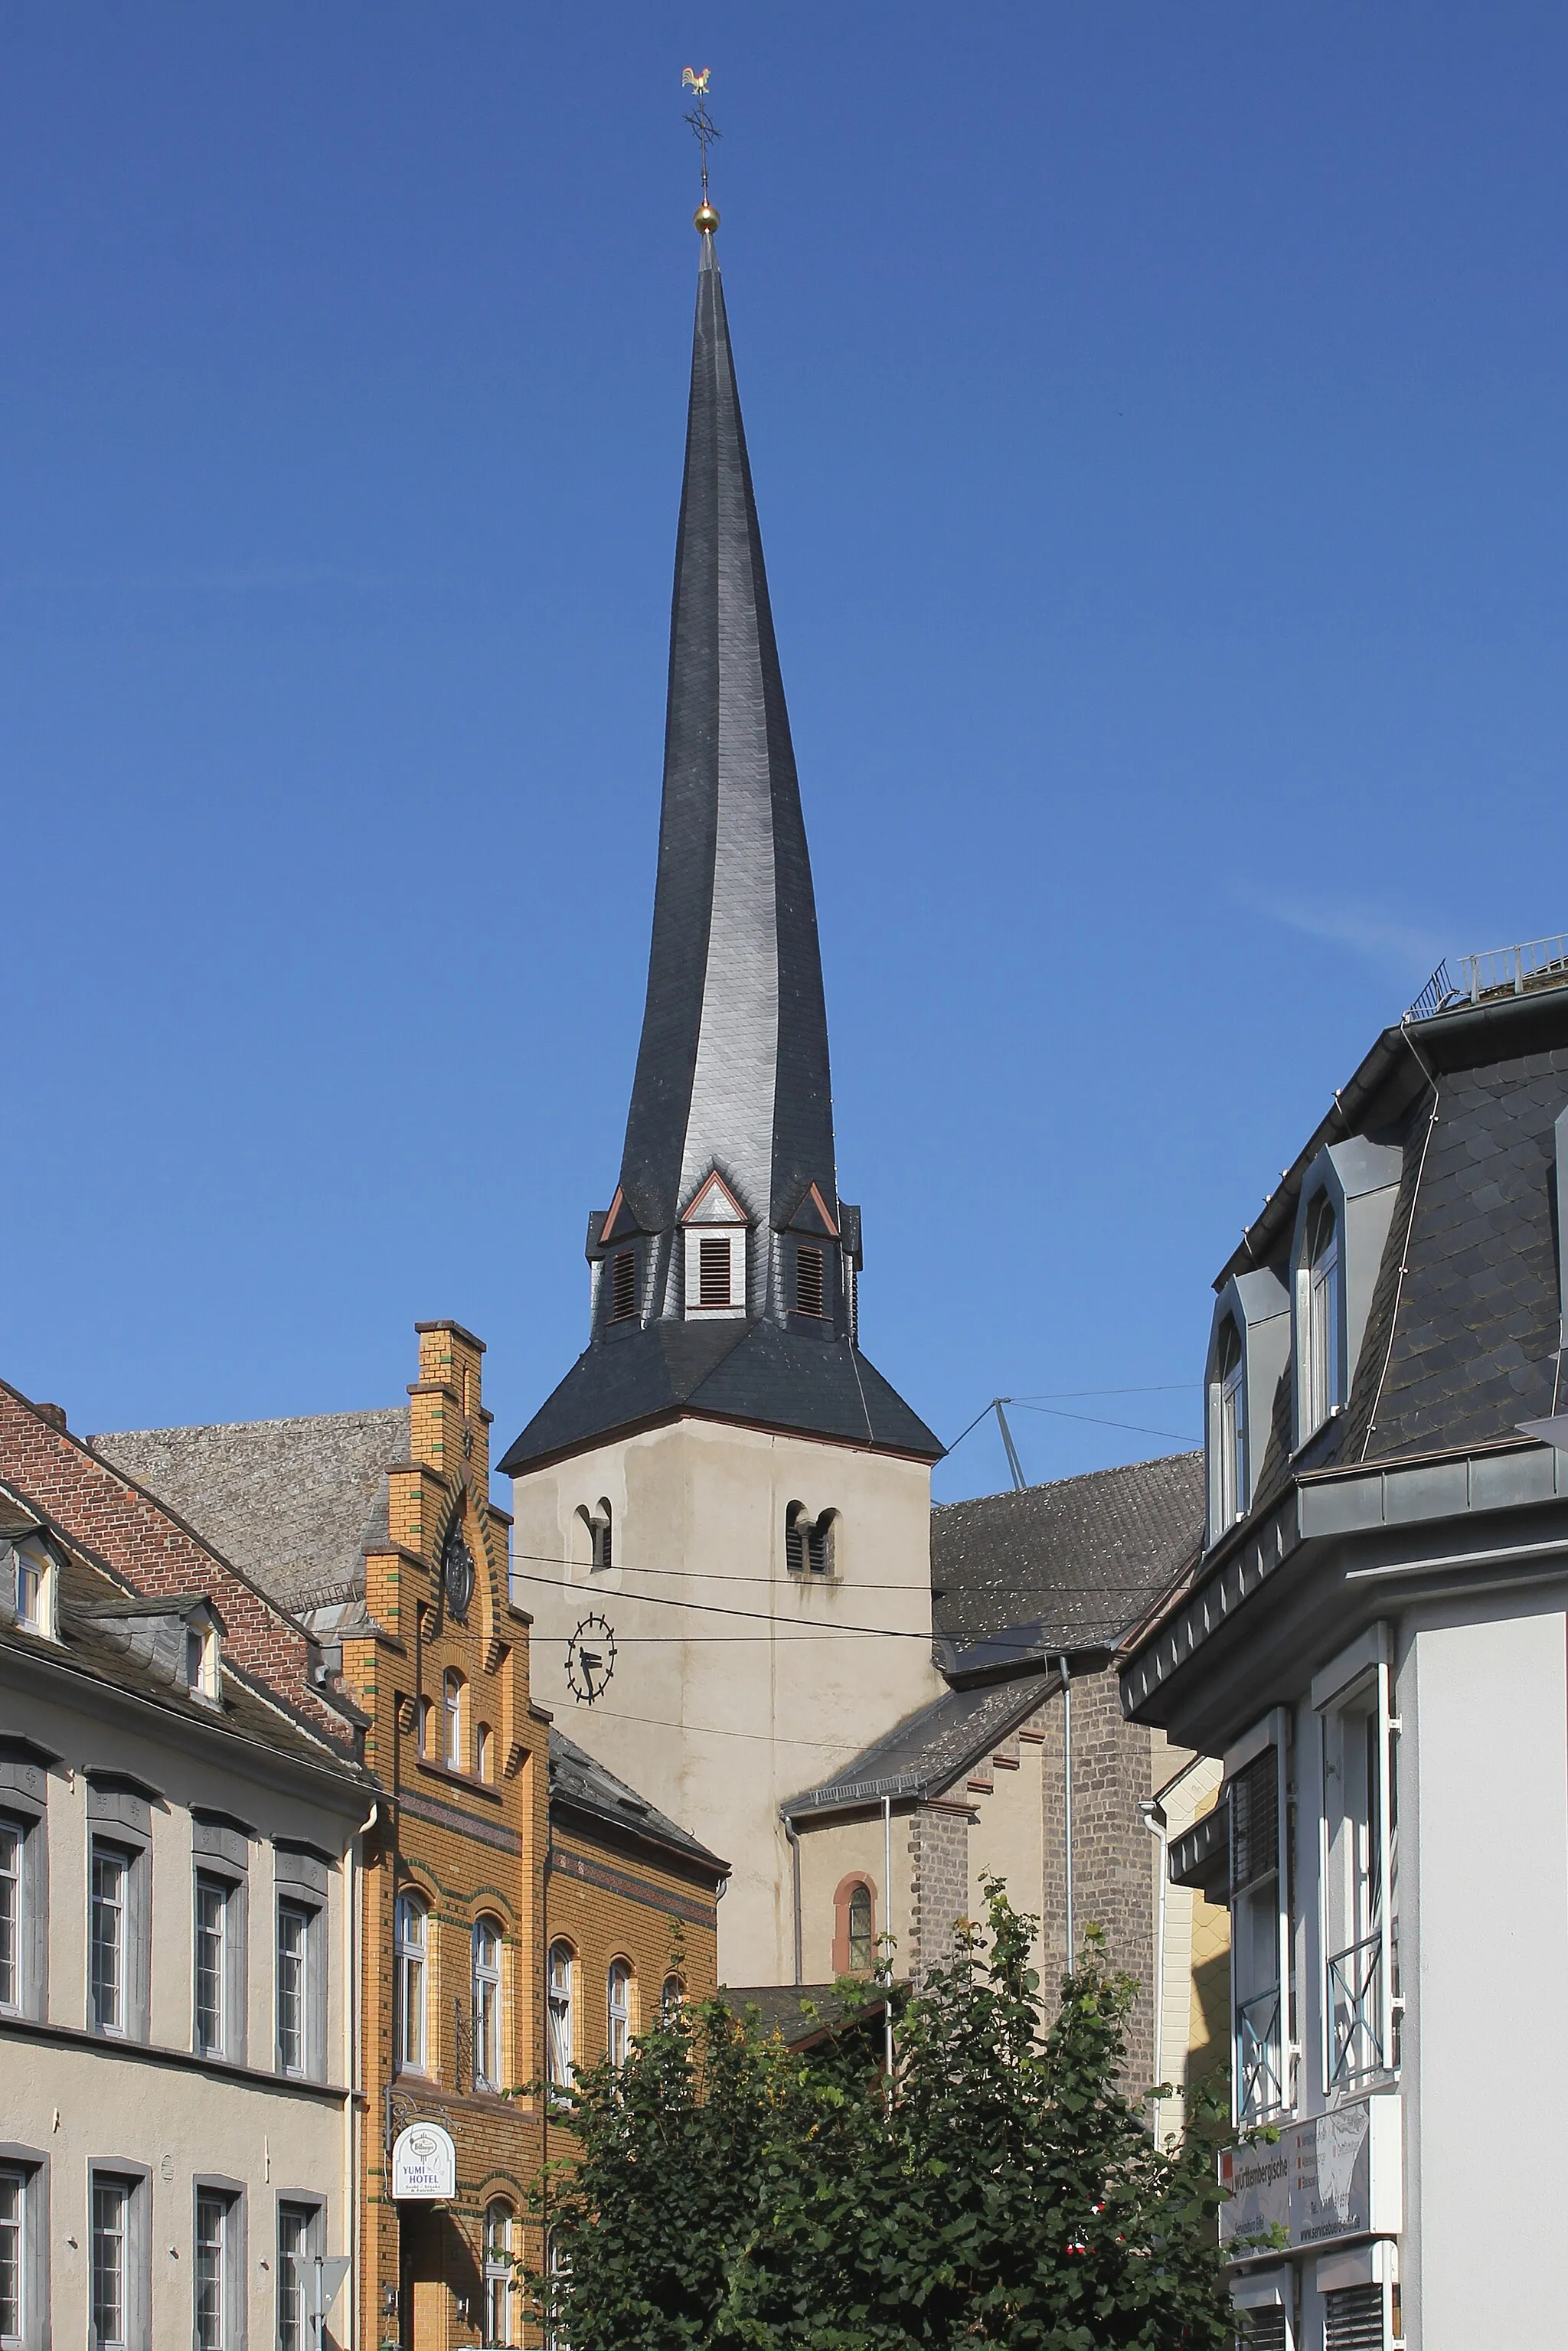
x=722 y=1479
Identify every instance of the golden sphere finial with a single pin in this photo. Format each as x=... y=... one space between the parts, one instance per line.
x=704 y=218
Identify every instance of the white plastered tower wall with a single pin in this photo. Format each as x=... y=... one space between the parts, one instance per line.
x=716 y=1719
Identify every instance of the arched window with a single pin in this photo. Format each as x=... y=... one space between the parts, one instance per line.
x=451 y=1718
x=498 y=2275
x=796 y=1529
x=1229 y=1432
x=560 y=2004
x=854 y=1925
x=410 y=1937
x=820 y=1543
x=862 y=1953
x=1318 y=1317
x=487 y=2004
x=600 y=1546
x=619 y=2038
x=485 y=1752
x=672 y=1993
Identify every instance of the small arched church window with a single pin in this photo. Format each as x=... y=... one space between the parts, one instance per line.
x=601 y=1545
x=808 y=1284
x=861 y=1954
x=796 y=1529
x=820 y=1543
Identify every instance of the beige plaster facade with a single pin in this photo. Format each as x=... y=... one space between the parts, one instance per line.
x=718 y=1718
x=143 y=2106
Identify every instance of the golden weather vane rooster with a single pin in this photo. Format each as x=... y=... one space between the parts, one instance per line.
x=706 y=132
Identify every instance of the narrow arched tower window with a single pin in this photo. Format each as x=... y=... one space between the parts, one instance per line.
x=797 y=1530
x=861 y=1953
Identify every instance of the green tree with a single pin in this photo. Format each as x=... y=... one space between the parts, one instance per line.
x=1008 y=2194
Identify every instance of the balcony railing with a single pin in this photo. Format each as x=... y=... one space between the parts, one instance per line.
x=1356 y=2012
x=1501 y=971
x=1259 y=2060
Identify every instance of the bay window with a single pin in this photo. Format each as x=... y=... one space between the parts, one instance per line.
x=1259 y=1935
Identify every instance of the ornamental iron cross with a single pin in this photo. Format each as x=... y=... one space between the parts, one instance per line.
x=704 y=128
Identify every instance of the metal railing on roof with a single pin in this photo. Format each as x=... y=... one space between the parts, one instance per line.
x=1499 y=971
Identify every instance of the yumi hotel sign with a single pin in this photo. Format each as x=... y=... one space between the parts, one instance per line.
x=1337 y=2175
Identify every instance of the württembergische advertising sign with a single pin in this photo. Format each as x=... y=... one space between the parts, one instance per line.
x=1336 y=2176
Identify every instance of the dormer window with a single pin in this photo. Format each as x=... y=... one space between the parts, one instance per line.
x=1229 y=1432
x=1317 y=1318
x=809 y=1282
x=716 y=1229
x=202 y=1658
x=623 y=1285
x=34 y=1590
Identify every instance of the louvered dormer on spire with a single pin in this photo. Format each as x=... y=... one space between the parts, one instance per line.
x=724 y=1267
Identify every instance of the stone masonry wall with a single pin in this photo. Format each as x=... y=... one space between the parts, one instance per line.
x=939 y=1880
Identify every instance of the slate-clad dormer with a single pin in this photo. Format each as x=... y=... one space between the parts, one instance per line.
x=724 y=1269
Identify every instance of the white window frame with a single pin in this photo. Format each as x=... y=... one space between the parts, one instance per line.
x=208 y=1886
x=106 y=1907
x=1319 y=1294
x=618 y=2012
x=561 y=2005
x=1358 y=1888
x=14 y=2252
x=1272 y=1732
x=452 y=1741
x=209 y=2201
x=499 y=2278
x=294 y=1961
x=37 y=1587
x=123 y=2193
x=298 y=2243
x=1229 y=1432
x=411 y=2002
x=487 y=2005
x=14 y=1922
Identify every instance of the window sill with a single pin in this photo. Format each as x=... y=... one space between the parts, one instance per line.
x=469 y=1781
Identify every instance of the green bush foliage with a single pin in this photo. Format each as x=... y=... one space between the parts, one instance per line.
x=732 y=2194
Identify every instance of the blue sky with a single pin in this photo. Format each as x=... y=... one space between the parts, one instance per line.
x=1157 y=413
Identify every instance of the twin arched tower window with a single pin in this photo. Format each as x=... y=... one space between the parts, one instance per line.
x=601 y=1536
x=808 y=1543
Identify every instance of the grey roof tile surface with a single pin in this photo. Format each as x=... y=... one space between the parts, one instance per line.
x=1074 y=1561
x=579 y=1778
x=293 y=1502
x=932 y=1748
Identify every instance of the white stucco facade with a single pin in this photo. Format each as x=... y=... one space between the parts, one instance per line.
x=737 y=1681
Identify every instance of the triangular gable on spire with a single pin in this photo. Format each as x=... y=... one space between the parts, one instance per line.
x=812 y=1215
x=619 y=1223
x=715 y=1204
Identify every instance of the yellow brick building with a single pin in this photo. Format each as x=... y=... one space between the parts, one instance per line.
x=523 y=1909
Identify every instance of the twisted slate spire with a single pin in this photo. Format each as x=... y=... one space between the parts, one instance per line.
x=733 y=1068
x=732 y=1073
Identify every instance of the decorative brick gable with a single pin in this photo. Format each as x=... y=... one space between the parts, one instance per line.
x=157 y=1554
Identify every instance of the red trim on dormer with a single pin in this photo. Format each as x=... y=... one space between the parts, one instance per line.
x=709 y=1185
